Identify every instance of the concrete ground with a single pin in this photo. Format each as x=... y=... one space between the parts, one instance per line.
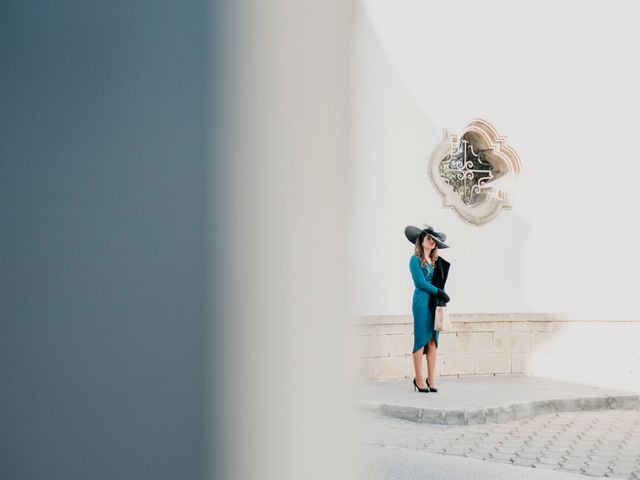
x=389 y=463
x=596 y=435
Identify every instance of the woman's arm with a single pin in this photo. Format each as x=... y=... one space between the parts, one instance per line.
x=418 y=276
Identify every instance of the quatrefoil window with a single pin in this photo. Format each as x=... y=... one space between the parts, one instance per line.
x=465 y=170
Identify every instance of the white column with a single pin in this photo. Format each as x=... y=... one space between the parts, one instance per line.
x=280 y=239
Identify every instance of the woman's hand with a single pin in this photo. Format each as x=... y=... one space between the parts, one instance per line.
x=443 y=295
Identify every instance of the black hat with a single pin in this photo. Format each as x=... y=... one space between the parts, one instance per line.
x=412 y=233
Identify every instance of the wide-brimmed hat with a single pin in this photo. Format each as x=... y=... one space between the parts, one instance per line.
x=412 y=233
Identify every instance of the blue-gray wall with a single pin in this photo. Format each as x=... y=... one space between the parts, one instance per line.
x=103 y=239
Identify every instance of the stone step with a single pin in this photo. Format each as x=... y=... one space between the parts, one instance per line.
x=488 y=399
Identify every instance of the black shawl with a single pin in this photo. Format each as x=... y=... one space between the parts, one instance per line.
x=440 y=274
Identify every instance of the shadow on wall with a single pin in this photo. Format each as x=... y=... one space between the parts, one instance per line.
x=393 y=138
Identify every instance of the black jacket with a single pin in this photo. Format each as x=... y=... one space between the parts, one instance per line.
x=439 y=279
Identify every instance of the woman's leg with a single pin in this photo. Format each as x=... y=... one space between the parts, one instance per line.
x=431 y=361
x=417 y=366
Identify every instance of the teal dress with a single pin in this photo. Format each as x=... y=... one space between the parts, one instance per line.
x=422 y=319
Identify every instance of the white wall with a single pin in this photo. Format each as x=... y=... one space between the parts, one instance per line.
x=560 y=82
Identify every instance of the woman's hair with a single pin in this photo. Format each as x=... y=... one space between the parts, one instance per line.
x=420 y=251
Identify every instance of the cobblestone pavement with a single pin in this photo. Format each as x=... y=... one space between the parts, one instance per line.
x=603 y=443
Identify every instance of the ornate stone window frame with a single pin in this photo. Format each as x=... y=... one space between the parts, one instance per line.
x=465 y=170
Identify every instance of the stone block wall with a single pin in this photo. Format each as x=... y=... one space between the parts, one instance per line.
x=484 y=344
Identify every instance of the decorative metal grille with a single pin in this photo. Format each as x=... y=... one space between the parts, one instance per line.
x=466 y=171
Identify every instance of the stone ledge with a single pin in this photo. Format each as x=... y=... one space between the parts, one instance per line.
x=505 y=413
x=489 y=399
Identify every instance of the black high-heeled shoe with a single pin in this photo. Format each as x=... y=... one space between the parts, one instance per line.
x=416 y=387
x=431 y=389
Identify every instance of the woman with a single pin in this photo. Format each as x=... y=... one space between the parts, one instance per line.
x=429 y=272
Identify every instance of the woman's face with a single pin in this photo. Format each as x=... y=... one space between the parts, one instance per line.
x=428 y=243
